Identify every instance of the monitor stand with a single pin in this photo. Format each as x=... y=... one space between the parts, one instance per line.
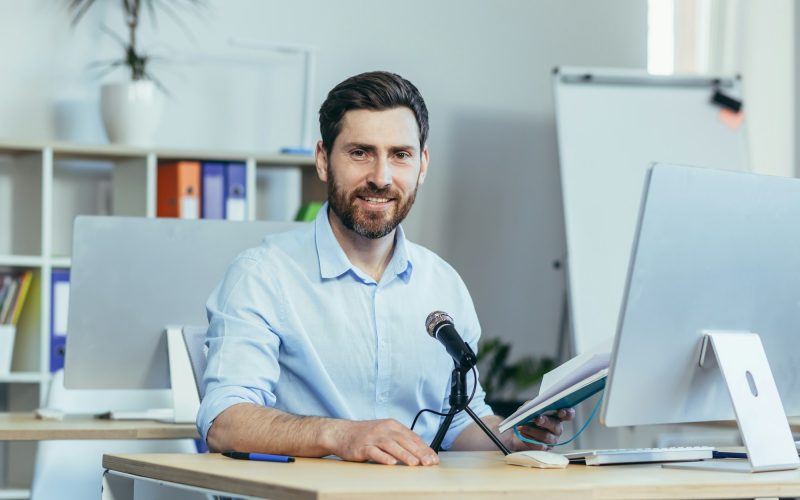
x=759 y=412
x=183 y=393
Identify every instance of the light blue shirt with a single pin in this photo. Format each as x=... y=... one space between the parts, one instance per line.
x=295 y=326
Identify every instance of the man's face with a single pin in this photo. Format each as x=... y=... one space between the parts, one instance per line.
x=373 y=170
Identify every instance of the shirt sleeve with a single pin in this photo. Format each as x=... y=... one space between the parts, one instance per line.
x=471 y=332
x=242 y=342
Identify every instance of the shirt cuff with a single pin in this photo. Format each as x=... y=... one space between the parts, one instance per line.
x=217 y=401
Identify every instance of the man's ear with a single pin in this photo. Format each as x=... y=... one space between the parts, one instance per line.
x=423 y=165
x=321 y=161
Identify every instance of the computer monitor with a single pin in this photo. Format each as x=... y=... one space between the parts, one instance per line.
x=715 y=251
x=131 y=278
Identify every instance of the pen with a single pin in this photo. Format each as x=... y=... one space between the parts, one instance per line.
x=728 y=454
x=261 y=457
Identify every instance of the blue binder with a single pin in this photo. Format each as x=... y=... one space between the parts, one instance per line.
x=213 y=190
x=59 y=307
x=236 y=192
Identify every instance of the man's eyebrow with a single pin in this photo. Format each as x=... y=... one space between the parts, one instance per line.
x=359 y=145
x=404 y=147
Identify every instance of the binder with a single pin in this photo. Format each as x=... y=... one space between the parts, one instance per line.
x=5 y=306
x=213 y=190
x=59 y=309
x=24 y=285
x=236 y=192
x=179 y=189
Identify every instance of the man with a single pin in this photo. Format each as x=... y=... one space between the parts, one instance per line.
x=317 y=341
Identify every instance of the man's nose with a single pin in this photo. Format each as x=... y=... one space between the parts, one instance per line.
x=381 y=174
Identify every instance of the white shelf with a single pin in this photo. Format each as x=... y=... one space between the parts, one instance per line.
x=112 y=151
x=61 y=262
x=24 y=378
x=21 y=260
x=14 y=494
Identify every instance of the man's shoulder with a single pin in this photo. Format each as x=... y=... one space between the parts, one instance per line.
x=427 y=260
x=276 y=248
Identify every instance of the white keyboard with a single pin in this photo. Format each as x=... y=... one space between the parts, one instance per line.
x=641 y=455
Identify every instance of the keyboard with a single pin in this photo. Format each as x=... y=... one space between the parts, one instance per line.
x=640 y=455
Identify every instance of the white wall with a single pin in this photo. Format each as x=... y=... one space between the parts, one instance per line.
x=492 y=203
x=767 y=67
x=757 y=40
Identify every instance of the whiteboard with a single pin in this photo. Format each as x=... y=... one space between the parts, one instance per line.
x=612 y=125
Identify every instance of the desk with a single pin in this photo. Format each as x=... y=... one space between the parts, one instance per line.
x=26 y=427
x=460 y=475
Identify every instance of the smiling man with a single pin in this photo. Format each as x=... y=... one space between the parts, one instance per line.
x=317 y=341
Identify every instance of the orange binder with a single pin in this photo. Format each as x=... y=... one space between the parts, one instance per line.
x=178 y=187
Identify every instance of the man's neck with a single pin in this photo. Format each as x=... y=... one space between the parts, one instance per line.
x=370 y=255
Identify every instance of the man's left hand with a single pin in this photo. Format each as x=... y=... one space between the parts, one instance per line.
x=544 y=428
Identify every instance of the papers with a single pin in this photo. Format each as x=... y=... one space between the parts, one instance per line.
x=567 y=385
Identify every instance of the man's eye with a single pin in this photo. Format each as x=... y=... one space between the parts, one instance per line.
x=358 y=153
x=403 y=155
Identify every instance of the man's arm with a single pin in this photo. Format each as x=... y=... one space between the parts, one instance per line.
x=545 y=429
x=252 y=428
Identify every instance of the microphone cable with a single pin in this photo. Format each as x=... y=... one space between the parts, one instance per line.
x=585 y=425
x=474 y=387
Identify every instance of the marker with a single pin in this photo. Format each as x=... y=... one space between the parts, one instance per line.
x=728 y=454
x=261 y=457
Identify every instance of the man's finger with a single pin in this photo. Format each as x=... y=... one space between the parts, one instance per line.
x=566 y=414
x=419 y=449
x=394 y=449
x=538 y=434
x=379 y=456
x=550 y=424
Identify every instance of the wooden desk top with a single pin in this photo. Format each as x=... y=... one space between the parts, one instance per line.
x=460 y=475
x=26 y=427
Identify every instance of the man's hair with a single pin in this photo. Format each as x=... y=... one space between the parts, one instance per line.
x=377 y=91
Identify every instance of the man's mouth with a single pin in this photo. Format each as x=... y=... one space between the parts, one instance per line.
x=373 y=199
x=375 y=202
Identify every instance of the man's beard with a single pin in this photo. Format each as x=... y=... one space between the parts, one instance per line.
x=367 y=223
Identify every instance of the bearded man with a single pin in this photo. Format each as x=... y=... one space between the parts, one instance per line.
x=317 y=342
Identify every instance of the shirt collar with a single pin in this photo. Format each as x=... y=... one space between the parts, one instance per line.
x=333 y=262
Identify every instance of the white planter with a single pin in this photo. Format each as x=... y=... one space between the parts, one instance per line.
x=131 y=111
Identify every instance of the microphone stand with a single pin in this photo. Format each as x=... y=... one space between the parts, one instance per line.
x=458 y=402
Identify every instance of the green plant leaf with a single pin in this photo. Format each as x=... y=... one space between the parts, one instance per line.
x=79 y=8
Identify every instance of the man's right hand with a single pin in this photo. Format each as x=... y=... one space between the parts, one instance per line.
x=382 y=441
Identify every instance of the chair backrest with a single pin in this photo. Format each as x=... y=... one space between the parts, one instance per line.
x=195 y=339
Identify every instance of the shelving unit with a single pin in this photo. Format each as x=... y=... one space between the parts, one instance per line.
x=43 y=187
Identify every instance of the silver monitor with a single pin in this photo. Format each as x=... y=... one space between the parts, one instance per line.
x=130 y=278
x=715 y=251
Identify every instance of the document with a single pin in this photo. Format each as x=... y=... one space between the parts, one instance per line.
x=567 y=385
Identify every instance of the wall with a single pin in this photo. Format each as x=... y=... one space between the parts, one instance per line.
x=492 y=202
x=757 y=41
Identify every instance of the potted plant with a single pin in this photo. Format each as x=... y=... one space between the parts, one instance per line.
x=504 y=381
x=131 y=109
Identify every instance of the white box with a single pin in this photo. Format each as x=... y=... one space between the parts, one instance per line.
x=7 y=334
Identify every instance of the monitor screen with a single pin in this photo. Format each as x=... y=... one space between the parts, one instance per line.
x=130 y=278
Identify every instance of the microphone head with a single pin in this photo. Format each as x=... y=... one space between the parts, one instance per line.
x=435 y=320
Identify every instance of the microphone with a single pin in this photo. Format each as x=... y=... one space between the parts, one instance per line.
x=440 y=326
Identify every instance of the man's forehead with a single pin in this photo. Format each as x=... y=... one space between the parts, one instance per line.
x=366 y=125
